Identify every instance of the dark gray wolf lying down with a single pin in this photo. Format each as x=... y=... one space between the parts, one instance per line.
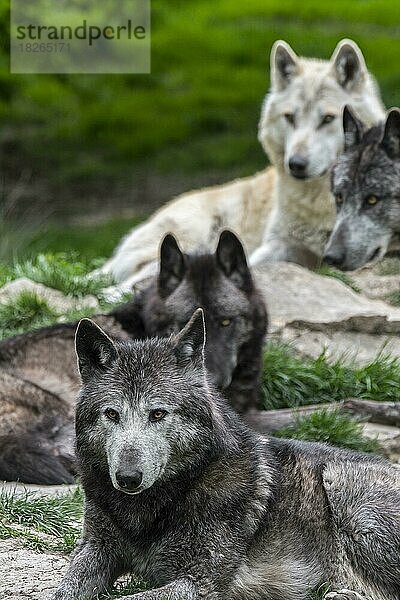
x=39 y=379
x=180 y=492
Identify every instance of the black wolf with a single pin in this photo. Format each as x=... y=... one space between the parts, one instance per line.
x=235 y=314
x=366 y=185
x=180 y=492
x=40 y=381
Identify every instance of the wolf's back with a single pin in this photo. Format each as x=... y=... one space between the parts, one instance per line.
x=27 y=458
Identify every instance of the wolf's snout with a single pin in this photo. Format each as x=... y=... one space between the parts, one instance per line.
x=129 y=482
x=335 y=258
x=220 y=367
x=298 y=166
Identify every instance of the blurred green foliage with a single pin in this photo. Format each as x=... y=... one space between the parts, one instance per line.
x=198 y=110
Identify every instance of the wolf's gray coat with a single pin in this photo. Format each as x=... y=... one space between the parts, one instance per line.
x=182 y=493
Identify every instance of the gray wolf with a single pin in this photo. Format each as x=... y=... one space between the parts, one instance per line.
x=39 y=380
x=180 y=492
x=366 y=185
x=286 y=211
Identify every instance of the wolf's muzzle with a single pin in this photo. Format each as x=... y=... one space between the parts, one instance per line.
x=129 y=482
x=298 y=166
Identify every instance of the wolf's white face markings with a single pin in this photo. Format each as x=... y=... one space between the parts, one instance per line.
x=366 y=185
x=136 y=440
x=300 y=126
x=134 y=409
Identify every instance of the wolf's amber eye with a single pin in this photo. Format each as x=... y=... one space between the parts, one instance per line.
x=225 y=322
x=327 y=119
x=372 y=200
x=289 y=118
x=157 y=415
x=112 y=414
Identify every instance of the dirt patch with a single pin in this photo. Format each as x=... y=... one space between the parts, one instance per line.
x=28 y=574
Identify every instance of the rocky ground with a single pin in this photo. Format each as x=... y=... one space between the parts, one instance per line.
x=28 y=574
x=312 y=312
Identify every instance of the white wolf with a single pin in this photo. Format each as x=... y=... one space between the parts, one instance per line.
x=286 y=211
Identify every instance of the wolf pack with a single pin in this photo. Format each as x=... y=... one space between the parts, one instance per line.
x=158 y=417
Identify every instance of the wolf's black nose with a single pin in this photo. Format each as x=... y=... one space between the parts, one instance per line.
x=335 y=258
x=298 y=165
x=129 y=481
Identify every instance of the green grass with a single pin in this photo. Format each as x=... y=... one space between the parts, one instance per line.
x=340 y=275
x=25 y=312
x=28 y=311
x=394 y=298
x=333 y=427
x=64 y=272
x=88 y=242
x=290 y=381
x=388 y=266
x=131 y=585
x=42 y=523
x=198 y=109
x=320 y=593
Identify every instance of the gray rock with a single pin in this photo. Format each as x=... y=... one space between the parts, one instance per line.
x=388 y=438
x=298 y=298
x=352 y=346
x=374 y=285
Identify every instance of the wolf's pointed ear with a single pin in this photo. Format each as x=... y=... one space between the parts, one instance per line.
x=284 y=65
x=348 y=65
x=190 y=341
x=391 y=135
x=172 y=266
x=231 y=259
x=95 y=350
x=352 y=127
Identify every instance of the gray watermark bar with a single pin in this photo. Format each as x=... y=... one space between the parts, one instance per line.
x=80 y=36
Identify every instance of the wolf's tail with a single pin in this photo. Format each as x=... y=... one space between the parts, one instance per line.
x=23 y=459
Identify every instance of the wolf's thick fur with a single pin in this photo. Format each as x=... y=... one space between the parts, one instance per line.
x=39 y=380
x=284 y=212
x=181 y=493
x=366 y=184
x=235 y=314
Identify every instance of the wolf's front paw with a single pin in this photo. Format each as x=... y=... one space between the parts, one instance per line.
x=344 y=595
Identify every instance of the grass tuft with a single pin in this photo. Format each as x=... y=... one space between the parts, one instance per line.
x=131 y=585
x=319 y=594
x=394 y=298
x=25 y=311
x=63 y=272
x=290 y=381
x=335 y=274
x=333 y=427
x=28 y=311
x=390 y=265
x=42 y=523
